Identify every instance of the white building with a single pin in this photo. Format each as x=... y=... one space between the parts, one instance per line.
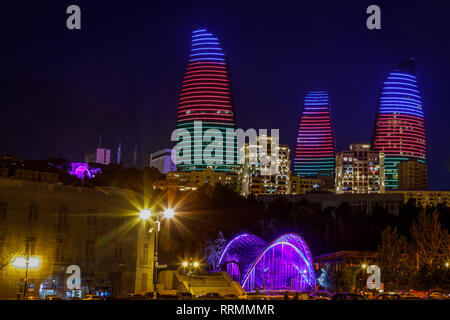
x=162 y=161
x=100 y=155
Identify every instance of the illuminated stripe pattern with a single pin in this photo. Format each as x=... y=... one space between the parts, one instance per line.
x=206 y=96
x=316 y=147
x=400 y=125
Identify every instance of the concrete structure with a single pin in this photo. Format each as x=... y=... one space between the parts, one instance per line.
x=184 y=181
x=173 y=282
x=358 y=202
x=96 y=229
x=262 y=176
x=162 y=161
x=425 y=198
x=412 y=175
x=100 y=155
x=360 y=170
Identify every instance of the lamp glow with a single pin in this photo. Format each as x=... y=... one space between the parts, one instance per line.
x=145 y=214
x=169 y=213
x=196 y=264
x=21 y=262
x=364 y=266
x=185 y=264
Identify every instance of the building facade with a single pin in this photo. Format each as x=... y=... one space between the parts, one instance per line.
x=96 y=229
x=100 y=156
x=185 y=181
x=316 y=147
x=412 y=175
x=265 y=167
x=360 y=170
x=299 y=185
x=206 y=104
x=425 y=198
x=400 y=125
x=162 y=160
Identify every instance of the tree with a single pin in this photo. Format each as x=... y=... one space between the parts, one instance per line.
x=428 y=238
x=213 y=250
x=7 y=254
x=393 y=260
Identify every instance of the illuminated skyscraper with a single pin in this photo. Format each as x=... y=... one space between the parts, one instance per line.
x=206 y=96
x=316 y=146
x=399 y=126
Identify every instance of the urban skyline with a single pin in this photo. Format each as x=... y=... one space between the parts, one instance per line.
x=131 y=130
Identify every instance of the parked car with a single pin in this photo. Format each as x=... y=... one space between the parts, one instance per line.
x=408 y=296
x=230 y=296
x=33 y=298
x=92 y=297
x=74 y=298
x=184 y=296
x=436 y=295
x=210 y=296
x=52 y=297
x=388 y=296
x=348 y=296
x=320 y=295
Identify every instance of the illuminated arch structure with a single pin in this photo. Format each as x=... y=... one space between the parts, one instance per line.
x=283 y=265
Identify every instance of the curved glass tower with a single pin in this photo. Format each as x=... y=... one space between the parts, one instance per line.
x=206 y=99
x=399 y=126
x=316 y=147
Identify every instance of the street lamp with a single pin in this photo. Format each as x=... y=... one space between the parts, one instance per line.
x=26 y=263
x=364 y=266
x=190 y=264
x=145 y=214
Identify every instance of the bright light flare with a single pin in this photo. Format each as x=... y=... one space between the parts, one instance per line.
x=364 y=266
x=21 y=262
x=184 y=264
x=145 y=214
x=196 y=264
x=169 y=213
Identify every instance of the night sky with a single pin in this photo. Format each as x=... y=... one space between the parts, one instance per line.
x=120 y=75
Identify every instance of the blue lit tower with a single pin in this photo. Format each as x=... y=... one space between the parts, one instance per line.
x=400 y=125
x=316 y=147
x=206 y=96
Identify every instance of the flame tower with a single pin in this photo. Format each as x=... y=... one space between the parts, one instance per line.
x=316 y=147
x=400 y=125
x=206 y=96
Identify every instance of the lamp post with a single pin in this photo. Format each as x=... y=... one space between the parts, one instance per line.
x=146 y=215
x=27 y=262
x=190 y=264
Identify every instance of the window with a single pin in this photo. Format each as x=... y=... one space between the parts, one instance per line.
x=3 y=210
x=61 y=220
x=145 y=258
x=92 y=218
x=89 y=249
x=59 y=250
x=33 y=212
x=30 y=245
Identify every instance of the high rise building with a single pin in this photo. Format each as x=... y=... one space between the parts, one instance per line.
x=412 y=175
x=360 y=170
x=206 y=96
x=257 y=176
x=162 y=161
x=315 y=149
x=100 y=156
x=400 y=126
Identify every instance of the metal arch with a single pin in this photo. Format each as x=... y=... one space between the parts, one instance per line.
x=299 y=245
x=242 y=250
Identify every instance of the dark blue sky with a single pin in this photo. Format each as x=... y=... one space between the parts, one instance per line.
x=119 y=77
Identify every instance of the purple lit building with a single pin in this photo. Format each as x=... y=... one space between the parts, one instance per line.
x=285 y=264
